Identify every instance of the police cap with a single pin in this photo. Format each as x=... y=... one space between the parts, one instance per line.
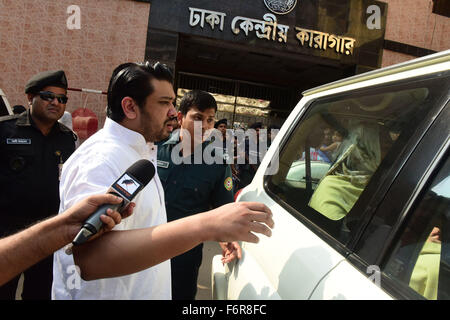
x=256 y=125
x=218 y=123
x=45 y=79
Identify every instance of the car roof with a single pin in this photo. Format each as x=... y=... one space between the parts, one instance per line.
x=429 y=60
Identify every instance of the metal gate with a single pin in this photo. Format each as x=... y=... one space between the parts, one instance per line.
x=240 y=102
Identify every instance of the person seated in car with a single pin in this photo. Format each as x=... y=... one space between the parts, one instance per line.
x=359 y=157
x=317 y=140
x=331 y=150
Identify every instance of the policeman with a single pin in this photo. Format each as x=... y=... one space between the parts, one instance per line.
x=221 y=125
x=33 y=147
x=253 y=156
x=191 y=187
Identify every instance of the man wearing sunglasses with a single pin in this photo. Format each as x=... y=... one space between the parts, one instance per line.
x=33 y=147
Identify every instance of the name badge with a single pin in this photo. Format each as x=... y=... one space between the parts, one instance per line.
x=18 y=141
x=162 y=164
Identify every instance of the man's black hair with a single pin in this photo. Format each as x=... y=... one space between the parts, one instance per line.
x=133 y=80
x=199 y=99
x=221 y=121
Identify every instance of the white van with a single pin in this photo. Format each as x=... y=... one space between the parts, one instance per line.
x=372 y=220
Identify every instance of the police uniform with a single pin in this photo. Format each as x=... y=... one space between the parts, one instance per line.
x=30 y=166
x=224 y=141
x=248 y=170
x=253 y=159
x=190 y=189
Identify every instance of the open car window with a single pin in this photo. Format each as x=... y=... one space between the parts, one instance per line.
x=331 y=156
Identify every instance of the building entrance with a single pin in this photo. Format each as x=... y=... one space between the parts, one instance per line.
x=241 y=102
x=242 y=49
x=249 y=84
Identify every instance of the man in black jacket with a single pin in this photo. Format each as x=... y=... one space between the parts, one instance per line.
x=33 y=147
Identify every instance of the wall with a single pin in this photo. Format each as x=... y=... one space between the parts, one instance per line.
x=34 y=37
x=412 y=22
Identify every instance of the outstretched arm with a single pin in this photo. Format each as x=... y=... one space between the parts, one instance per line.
x=22 y=250
x=120 y=253
x=331 y=147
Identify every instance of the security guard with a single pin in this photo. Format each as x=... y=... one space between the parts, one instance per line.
x=191 y=187
x=221 y=125
x=252 y=157
x=33 y=147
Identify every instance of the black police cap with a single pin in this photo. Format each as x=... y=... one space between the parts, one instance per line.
x=218 y=123
x=45 y=79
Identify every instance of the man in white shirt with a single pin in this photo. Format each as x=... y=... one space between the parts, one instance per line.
x=140 y=111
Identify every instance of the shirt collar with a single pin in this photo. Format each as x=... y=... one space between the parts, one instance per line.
x=174 y=137
x=127 y=136
x=25 y=120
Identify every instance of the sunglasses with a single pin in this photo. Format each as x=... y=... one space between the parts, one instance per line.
x=49 y=96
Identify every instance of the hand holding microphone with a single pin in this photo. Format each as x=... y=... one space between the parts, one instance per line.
x=135 y=178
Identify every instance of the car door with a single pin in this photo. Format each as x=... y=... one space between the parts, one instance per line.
x=319 y=219
x=398 y=238
x=397 y=254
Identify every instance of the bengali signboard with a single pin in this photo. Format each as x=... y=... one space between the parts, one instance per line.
x=324 y=29
x=269 y=29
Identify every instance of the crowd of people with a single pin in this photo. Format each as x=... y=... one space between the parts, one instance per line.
x=150 y=250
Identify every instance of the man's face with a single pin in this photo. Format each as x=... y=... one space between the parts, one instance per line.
x=47 y=111
x=327 y=136
x=205 y=118
x=223 y=128
x=157 y=114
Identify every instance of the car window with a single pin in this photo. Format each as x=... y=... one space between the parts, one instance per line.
x=328 y=160
x=420 y=259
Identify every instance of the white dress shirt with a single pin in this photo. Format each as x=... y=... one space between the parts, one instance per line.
x=91 y=169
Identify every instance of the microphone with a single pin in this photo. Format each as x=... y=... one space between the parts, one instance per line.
x=126 y=187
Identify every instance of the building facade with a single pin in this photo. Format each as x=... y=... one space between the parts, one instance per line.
x=39 y=35
x=256 y=56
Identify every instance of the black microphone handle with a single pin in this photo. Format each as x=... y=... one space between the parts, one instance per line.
x=140 y=174
x=93 y=223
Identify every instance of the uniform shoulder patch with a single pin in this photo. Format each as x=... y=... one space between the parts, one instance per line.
x=228 y=183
